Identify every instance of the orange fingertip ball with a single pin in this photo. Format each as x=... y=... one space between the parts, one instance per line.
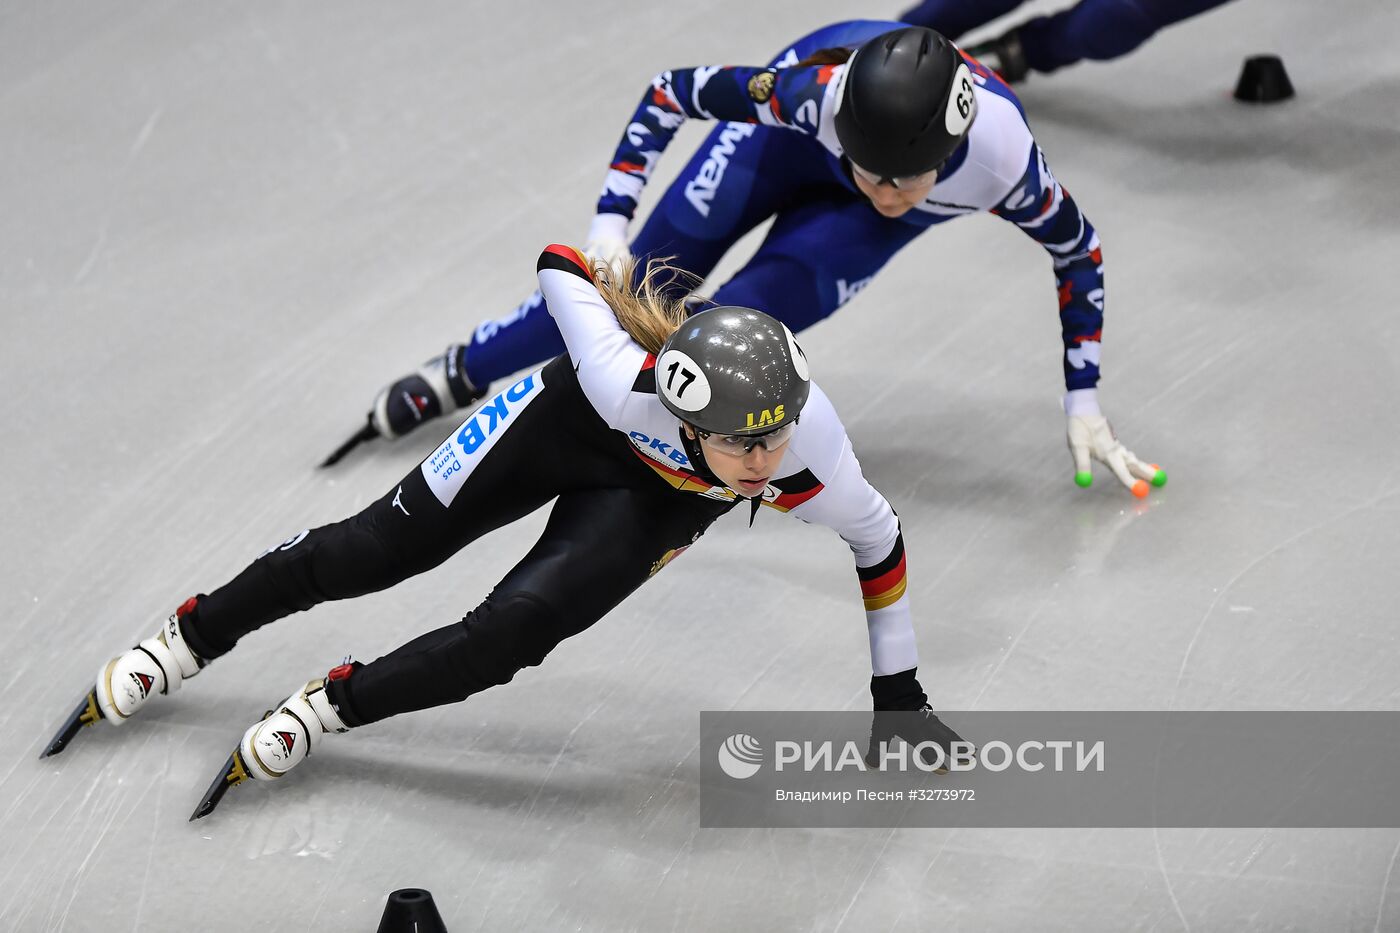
x=1140 y=489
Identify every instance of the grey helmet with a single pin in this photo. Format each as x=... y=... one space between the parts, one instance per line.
x=733 y=371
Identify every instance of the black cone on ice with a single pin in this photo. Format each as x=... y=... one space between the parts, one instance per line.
x=1263 y=80
x=411 y=910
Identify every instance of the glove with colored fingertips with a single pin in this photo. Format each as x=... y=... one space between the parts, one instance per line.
x=438 y=387
x=902 y=711
x=1091 y=437
x=607 y=240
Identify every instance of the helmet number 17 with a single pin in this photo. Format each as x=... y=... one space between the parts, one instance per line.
x=687 y=377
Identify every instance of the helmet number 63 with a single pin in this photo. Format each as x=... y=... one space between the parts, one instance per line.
x=964 y=102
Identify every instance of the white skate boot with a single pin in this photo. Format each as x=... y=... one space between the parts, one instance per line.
x=281 y=740
x=157 y=665
x=289 y=733
x=124 y=684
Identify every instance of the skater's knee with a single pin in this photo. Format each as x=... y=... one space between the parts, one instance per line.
x=347 y=559
x=290 y=572
x=514 y=631
x=1118 y=28
x=507 y=633
x=797 y=292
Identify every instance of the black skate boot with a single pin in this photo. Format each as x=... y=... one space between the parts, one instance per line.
x=1004 y=55
x=438 y=387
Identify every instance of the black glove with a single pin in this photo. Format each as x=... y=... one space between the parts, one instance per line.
x=439 y=387
x=902 y=710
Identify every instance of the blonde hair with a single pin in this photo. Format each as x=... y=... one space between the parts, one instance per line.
x=650 y=307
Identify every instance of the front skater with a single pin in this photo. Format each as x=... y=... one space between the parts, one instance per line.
x=644 y=433
x=854 y=154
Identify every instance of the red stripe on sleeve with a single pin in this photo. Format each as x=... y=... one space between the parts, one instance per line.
x=791 y=500
x=883 y=583
x=573 y=256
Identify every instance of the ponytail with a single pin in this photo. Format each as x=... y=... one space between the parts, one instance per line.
x=643 y=305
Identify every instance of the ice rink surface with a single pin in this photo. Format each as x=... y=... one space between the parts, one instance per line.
x=225 y=225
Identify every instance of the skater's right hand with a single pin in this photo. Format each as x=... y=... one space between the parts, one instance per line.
x=1090 y=436
x=607 y=240
x=438 y=387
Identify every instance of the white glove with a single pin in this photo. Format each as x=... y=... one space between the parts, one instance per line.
x=607 y=240
x=1090 y=435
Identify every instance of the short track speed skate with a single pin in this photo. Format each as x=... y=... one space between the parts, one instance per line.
x=280 y=741
x=127 y=682
x=365 y=433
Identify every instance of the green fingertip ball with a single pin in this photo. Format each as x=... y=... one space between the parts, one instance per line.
x=1086 y=479
x=1159 y=478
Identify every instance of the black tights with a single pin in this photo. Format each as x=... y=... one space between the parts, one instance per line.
x=613 y=525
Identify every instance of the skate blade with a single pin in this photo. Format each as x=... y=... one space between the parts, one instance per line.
x=86 y=714
x=366 y=433
x=233 y=773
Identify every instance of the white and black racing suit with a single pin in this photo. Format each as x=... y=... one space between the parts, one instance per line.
x=588 y=431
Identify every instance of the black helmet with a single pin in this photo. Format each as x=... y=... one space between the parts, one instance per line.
x=732 y=371
x=906 y=103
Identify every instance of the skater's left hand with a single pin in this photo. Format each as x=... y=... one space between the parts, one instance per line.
x=1091 y=436
x=607 y=241
x=902 y=710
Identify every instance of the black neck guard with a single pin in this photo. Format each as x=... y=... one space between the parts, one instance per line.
x=702 y=469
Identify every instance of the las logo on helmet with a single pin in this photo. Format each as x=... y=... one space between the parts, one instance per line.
x=765 y=417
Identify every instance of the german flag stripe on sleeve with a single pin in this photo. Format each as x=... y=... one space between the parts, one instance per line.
x=794 y=490
x=884 y=583
x=564 y=259
x=646 y=379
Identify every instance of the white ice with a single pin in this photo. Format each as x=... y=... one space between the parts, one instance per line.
x=224 y=225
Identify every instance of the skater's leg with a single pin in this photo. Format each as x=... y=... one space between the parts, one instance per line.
x=1100 y=29
x=598 y=546
x=409 y=529
x=816 y=258
x=392 y=539
x=521 y=339
x=954 y=17
x=1164 y=13
x=741 y=175
x=535 y=439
